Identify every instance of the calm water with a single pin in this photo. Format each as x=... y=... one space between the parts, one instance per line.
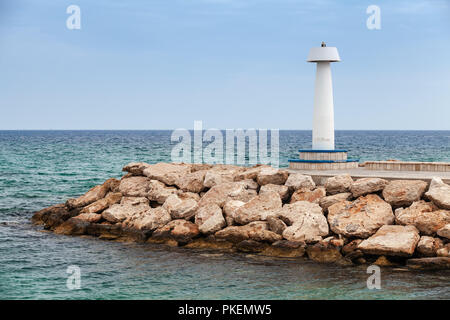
x=41 y=168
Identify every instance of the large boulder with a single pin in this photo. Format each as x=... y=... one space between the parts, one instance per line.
x=313 y=196
x=181 y=230
x=128 y=207
x=159 y=192
x=339 y=184
x=167 y=173
x=424 y=216
x=149 y=220
x=192 y=182
x=444 y=232
x=271 y=175
x=257 y=231
x=89 y=217
x=297 y=181
x=439 y=193
x=250 y=173
x=102 y=204
x=276 y=225
x=364 y=186
x=400 y=193
x=360 y=218
x=258 y=208
x=285 y=249
x=135 y=186
x=328 y=201
x=229 y=210
x=94 y=194
x=305 y=221
x=283 y=191
x=220 y=174
x=179 y=208
x=436 y=263
x=209 y=219
x=392 y=240
x=324 y=252
x=221 y=193
x=428 y=246
x=136 y=168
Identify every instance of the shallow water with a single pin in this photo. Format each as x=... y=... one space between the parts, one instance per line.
x=39 y=168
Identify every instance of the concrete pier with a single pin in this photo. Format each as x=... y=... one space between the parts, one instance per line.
x=319 y=176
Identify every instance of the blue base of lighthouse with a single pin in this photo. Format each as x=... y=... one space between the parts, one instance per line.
x=323 y=160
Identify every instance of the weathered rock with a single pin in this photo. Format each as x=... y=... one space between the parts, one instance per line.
x=285 y=249
x=229 y=210
x=392 y=240
x=276 y=225
x=90 y=217
x=360 y=218
x=72 y=226
x=192 y=182
x=438 y=263
x=220 y=174
x=423 y=216
x=181 y=230
x=257 y=230
x=444 y=232
x=404 y=192
x=179 y=208
x=324 y=253
x=41 y=216
x=200 y=166
x=351 y=246
x=259 y=208
x=282 y=190
x=305 y=221
x=159 y=192
x=383 y=261
x=128 y=207
x=188 y=195
x=221 y=193
x=439 y=193
x=135 y=186
x=250 y=246
x=328 y=201
x=250 y=173
x=167 y=173
x=136 y=168
x=308 y=195
x=209 y=219
x=149 y=220
x=102 y=204
x=444 y=252
x=428 y=246
x=338 y=184
x=297 y=181
x=94 y=194
x=271 y=175
x=364 y=186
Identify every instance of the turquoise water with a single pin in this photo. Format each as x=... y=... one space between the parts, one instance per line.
x=41 y=168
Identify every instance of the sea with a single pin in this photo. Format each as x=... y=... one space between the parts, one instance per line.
x=42 y=168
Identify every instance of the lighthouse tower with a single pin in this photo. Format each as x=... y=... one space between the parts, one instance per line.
x=323 y=155
x=323 y=120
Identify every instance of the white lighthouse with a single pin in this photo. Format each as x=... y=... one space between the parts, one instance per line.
x=323 y=120
x=323 y=155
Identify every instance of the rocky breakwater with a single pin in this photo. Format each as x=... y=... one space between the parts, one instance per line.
x=266 y=211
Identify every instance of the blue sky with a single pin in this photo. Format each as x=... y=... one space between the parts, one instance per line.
x=161 y=64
